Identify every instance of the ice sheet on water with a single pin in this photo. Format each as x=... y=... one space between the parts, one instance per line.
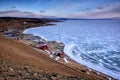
x=94 y=43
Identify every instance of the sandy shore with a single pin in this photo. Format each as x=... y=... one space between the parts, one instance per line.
x=18 y=60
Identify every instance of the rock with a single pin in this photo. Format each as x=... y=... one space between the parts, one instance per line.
x=65 y=59
x=62 y=78
x=26 y=74
x=83 y=71
x=57 y=45
x=59 y=76
x=51 y=55
x=29 y=79
x=73 y=78
x=44 y=78
x=40 y=75
x=88 y=72
x=11 y=75
x=54 y=74
x=35 y=74
x=57 y=58
x=53 y=78
x=11 y=69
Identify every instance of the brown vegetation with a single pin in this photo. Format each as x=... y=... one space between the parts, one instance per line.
x=20 y=61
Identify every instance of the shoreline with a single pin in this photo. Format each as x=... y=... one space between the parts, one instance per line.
x=77 y=67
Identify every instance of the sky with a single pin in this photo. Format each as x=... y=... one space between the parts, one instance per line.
x=60 y=8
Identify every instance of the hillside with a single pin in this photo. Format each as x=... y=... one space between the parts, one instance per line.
x=19 y=61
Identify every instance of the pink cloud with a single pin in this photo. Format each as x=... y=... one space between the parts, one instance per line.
x=108 y=11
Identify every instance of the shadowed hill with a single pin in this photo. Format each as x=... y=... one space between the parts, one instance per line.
x=16 y=56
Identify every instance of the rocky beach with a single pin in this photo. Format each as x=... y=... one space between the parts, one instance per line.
x=20 y=59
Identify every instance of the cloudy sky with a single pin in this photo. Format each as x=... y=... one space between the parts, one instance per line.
x=60 y=8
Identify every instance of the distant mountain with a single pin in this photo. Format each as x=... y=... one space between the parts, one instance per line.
x=116 y=18
x=55 y=18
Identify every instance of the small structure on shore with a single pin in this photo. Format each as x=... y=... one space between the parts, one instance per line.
x=61 y=55
x=43 y=47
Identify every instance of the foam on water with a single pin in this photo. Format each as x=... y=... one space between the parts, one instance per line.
x=94 y=43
